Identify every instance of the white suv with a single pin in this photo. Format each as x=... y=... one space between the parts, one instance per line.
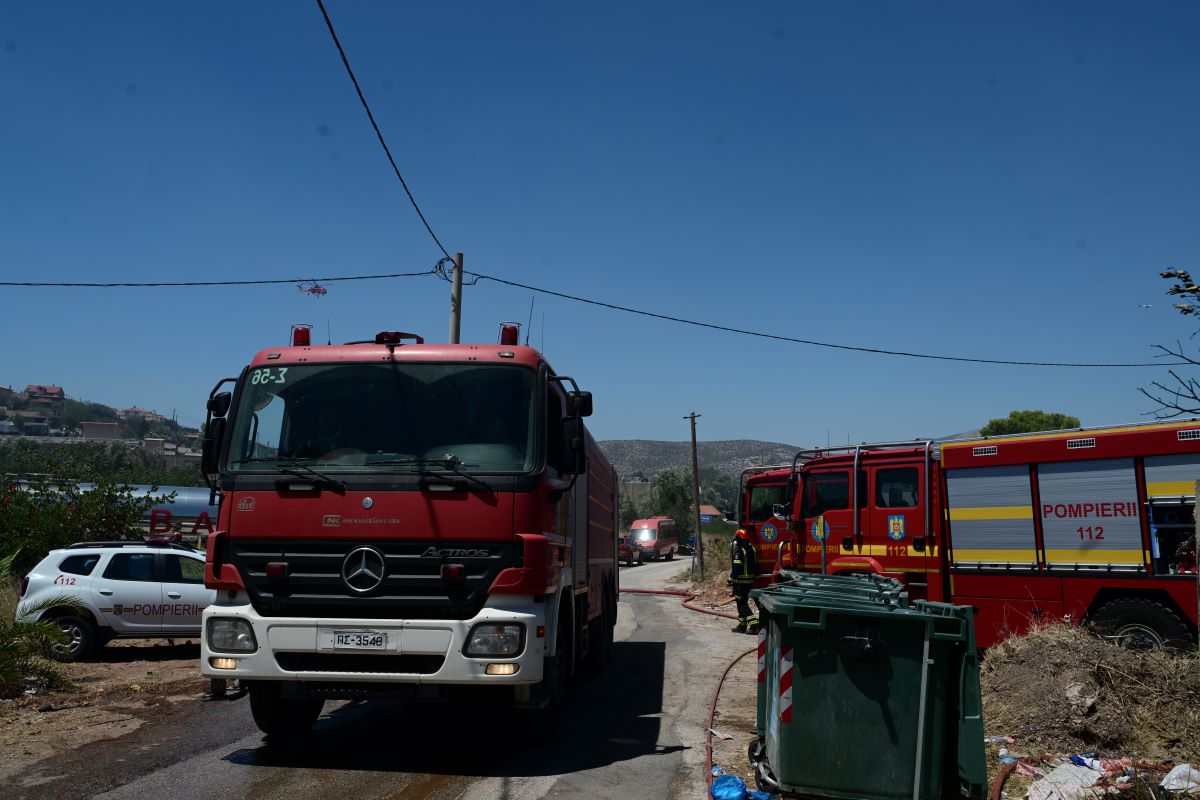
x=125 y=590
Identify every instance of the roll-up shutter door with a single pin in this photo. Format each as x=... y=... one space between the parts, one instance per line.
x=1090 y=515
x=1172 y=476
x=991 y=517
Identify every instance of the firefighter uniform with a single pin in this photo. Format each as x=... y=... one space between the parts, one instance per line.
x=743 y=568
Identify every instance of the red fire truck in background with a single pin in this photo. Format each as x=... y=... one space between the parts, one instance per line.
x=760 y=491
x=1086 y=524
x=405 y=519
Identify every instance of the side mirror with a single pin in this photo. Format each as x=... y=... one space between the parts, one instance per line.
x=218 y=404
x=581 y=404
x=575 y=446
x=779 y=510
x=210 y=449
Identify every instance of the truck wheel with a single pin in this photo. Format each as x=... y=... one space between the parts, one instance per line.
x=600 y=641
x=80 y=638
x=670 y=555
x=280 y=718
x=640 y=558
x=1139 y=623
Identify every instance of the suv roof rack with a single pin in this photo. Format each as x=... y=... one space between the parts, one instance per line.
x=131 y=543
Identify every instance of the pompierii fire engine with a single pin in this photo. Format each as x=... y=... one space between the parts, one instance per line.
x=761 y=492
x=1089 y=524
x=402 y=519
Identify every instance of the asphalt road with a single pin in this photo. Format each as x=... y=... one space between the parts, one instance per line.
x=637 y=731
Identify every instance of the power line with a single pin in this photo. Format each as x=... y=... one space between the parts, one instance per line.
x=378 y=133
x=440 y=271
x=160 y=284
x=876 y=350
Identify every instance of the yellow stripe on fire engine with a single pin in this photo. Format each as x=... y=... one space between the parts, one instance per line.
x=995 y=512
x=1170 y=488
x=996 y=556
x=1094 y=556
x=889 y=550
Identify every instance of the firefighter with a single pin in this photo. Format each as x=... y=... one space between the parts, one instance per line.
x=743 y=567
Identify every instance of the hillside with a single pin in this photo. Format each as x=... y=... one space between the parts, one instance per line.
x=728 y=457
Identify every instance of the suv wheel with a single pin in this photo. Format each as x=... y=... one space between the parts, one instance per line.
x=80 y=635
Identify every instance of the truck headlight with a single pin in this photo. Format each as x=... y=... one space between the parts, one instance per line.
x=491 y=639
x=231 y=636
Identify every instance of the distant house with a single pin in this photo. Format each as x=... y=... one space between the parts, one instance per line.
x=6 y=394
x=134 y=411
x=8 y=428
x=709 y=513
x=100 y=431
x=50 y=400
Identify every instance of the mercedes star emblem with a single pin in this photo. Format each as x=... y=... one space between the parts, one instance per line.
x=363 y=570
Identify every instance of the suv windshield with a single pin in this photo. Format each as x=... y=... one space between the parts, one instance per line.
x=388 y=416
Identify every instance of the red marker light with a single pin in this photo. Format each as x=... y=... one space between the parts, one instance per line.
x=277 y=570
x=452 y=572
x=301 y=335
x=510 y=333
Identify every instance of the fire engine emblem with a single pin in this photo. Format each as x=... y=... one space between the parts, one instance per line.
x=896 y=527
x=769 y=533
x=820 y=529
x=246 y=504
x=363 y=570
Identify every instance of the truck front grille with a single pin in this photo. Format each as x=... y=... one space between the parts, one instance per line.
x=412 y=586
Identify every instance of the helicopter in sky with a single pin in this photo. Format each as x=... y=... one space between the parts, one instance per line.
x=313 y=288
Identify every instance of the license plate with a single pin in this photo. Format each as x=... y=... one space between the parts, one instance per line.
x=359 y=640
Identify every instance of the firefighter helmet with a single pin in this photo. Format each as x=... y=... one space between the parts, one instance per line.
x=742 y=533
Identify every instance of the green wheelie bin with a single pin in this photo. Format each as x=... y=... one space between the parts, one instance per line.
x=864 y=697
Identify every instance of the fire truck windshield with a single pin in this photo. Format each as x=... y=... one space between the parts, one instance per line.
x=389 y=416
x=763 y=499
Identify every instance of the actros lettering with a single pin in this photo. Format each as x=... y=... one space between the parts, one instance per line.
x=455 y=552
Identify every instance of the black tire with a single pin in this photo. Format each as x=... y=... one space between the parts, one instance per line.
x=640 y=558
x=81 y=638
x=670 y=555
x=600 y=639
x=282 y=718
x=557 y=669
x=1143 y=624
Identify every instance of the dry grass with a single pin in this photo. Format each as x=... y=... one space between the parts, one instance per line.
x=1147 y=703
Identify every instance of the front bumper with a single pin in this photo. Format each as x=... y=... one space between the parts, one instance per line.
x=422 y=652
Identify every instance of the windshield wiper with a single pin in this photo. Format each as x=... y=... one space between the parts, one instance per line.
x=450 y=463
x=302 y=471
x=305 y=471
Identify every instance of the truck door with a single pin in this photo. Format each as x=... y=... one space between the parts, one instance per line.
x=828 y=520
x=127 y=594
x=183 y=594
x=895 y=527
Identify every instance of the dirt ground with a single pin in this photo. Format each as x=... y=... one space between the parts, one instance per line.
x=131 y=683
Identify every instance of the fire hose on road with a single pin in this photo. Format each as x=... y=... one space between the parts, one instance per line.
x=712 y=708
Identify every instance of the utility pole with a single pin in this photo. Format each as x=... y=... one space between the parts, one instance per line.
x=456 y=299
x=698 y=556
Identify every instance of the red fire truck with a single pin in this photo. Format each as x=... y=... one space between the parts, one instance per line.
x=407 y=520
x=761 y=490
x=1090 y=524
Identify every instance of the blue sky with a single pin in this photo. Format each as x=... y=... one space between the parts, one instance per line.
x=993 y=181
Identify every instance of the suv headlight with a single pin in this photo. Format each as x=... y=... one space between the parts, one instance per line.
x=231 y=636
x=491 y=639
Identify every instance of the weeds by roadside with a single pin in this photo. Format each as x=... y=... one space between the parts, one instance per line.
x=25 y=647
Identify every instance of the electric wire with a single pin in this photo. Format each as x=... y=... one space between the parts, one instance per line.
x=813 y=343
x=378 y=133
x=440 y=269
x=253 y=282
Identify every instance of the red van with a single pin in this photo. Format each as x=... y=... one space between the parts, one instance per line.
x=658 y=537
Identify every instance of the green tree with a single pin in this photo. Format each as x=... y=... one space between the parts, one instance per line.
x=718 y=489
x=48 y=513
x=1027 y=422
x=25 y=646
x=628 y=511
x=671 y=495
